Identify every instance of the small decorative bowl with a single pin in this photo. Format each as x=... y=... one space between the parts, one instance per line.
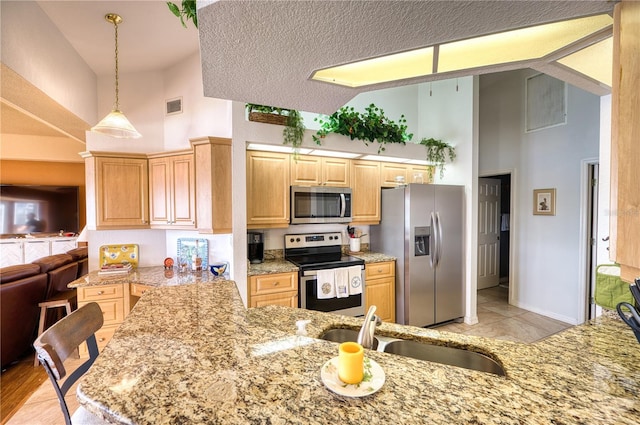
x=219 y=269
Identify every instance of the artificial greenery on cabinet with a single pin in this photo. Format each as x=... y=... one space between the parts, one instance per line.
x=293 y=133
x=371 y=126
x=437 y=153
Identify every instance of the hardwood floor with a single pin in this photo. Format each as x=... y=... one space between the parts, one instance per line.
x=17 y=383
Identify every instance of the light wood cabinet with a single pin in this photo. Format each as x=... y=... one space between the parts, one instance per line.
x=411 y=174
x=307 y=170
x=365 y=185
x=172 y=191
x=114 y=303
x=380 y=287
x=136 y=290
x=268 y=180
x=274 y=289
x=117 y=190
x=625 y=133
x=213 y=160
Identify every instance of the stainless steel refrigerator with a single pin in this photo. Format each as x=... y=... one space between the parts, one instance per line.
x=422 y=225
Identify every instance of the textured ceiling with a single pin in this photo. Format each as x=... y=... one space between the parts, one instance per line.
x=265 y=51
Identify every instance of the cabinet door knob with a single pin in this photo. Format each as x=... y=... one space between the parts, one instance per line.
x=101 y=340
x=100 y=292
x=276 y=283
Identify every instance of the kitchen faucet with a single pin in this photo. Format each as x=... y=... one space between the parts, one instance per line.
x=365 y=337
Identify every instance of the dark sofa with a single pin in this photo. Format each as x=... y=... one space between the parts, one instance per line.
x=22 y=287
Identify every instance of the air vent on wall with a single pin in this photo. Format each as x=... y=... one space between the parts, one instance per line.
x=546 y=102
x=174 y=106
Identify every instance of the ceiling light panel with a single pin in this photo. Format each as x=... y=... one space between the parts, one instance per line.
x=594 y=61
x=399 y=66
x=517 y=45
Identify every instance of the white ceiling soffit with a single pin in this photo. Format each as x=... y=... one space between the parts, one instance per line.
x=265 y=51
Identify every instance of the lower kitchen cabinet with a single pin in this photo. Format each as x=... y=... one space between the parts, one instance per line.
x=274 y=289
x=111 y=299
x=136 y=290
x=380 y=288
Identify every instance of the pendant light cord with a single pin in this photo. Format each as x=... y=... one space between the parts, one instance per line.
x=117 y=104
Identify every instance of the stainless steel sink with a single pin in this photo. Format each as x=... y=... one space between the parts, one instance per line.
x=444 y=355
x=344 y=335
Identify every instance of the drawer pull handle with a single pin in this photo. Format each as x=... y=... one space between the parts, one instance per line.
x=100 y=292
x=379 y=270
x=101 y=340
x=276 y=283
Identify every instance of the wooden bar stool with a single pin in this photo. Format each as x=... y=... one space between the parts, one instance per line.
x=64 y=299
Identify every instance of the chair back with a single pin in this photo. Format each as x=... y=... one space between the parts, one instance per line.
x=55 y=345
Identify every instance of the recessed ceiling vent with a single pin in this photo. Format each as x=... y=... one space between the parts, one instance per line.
x=174 y=106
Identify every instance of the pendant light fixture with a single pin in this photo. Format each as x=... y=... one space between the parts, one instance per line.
x=115 y=124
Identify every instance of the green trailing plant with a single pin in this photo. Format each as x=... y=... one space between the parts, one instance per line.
x=186 y=11
x=371 y=126
x=265 y=109
x=437 y=153
x=293 y=133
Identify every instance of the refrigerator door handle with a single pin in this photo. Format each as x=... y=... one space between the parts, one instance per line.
x=432 y=242
x=439 y=241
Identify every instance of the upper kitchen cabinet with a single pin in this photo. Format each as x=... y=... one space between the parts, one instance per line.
x=117 y=190
x=319 y=171
x=365 y=184
x=213 y=192
x=172 y=191
x=268 y=178
x=410 y=173
x=625 y=150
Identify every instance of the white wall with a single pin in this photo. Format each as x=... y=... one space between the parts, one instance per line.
x=34 y=48
x=142 y=99
x=546 y=263
x=202 y=116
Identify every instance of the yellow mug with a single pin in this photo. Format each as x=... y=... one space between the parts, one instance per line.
x=350 y=362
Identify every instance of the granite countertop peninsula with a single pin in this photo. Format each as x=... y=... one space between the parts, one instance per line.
x=277 y=264
x=151 y=276
x=194 y=354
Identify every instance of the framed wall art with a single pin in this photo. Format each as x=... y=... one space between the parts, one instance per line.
x=544 y=202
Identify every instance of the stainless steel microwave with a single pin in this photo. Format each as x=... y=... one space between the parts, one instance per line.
x=320 y=204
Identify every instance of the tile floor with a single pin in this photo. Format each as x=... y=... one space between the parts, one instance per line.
x=497 y=319
x=500 y=320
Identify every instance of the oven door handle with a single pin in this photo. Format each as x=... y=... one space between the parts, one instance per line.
x=315 y=272
x=343 y=203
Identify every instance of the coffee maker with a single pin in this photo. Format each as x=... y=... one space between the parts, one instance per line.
x=255 y=247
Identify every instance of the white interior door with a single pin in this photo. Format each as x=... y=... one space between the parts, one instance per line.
x=488 y=233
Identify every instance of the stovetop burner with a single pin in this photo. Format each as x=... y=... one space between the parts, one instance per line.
x=317 y=251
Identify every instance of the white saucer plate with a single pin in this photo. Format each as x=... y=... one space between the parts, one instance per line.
x=373 y=379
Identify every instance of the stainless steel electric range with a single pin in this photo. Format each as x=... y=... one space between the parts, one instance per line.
x=312 y=252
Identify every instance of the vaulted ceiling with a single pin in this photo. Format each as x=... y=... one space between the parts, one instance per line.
x=265 y=51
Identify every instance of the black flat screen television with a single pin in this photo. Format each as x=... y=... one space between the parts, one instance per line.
x=33 y=209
